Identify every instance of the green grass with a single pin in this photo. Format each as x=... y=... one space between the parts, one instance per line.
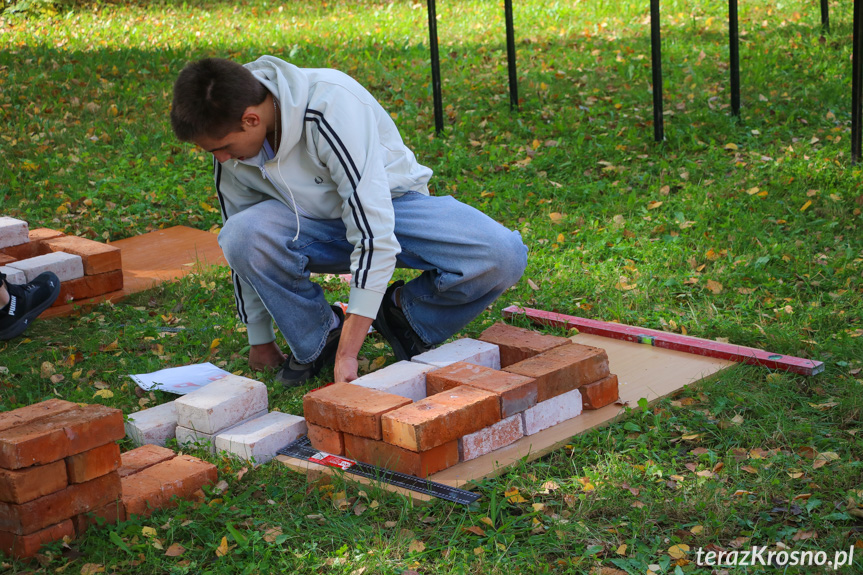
x=668 y=236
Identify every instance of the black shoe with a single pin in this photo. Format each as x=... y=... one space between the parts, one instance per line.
x=394 y=326
x=26 y=302
x=294 y=373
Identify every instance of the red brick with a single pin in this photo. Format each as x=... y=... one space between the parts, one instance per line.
x=600 y=393
x=98 y=258
x=402 y=460
x=516 y=392
x=89 y=286
x=22 y=546
x=326 y=440
x=23 y=485
x=141 y=458
x=4 y=259
x=110 y=514
x=440 y=418
x=35 y=412
x=26 y=518
x=154 y=487
x=563 y=369
x=93 y=463
x=350 y=408
x=60 y=435
x=517 y=344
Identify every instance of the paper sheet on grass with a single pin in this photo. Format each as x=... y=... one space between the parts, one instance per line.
x=180 y=380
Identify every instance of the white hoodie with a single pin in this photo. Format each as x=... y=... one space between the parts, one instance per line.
x=340 y=155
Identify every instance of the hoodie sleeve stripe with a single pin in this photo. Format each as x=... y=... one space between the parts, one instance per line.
x=341 y=152
x=238 y=289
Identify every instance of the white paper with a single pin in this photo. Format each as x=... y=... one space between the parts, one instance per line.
x=180 y=380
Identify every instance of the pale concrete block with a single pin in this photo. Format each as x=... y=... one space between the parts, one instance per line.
x=66 y=266
x=221 y=404
x=405 y=378
x=154 y=426
x=490 y=438
x=13 y=276
x=551 y=412
x=191 y=437
x=13 y=232
x=261 y=438
x=466 y=349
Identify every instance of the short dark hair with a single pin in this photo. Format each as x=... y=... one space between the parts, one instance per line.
x=210 y=97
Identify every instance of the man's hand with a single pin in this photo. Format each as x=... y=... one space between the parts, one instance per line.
x=353 y=335
x=266 y=357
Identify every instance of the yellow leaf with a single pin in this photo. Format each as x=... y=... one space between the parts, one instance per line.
x=653 y=205
x=222 y=549
x=621 y=550
x=696 y=529
x=806 y=205
x=678 y=551
x=104 y=394
x=749 y=469
x=377 y=363
x=691 y=436
x=556 y=217
x=215 y=343
x=416 y=546
x=92 y=569
x=487 y=195
x=538 y=507
x=753 y=191
x=731 y=146
x=714 y=286
x=148 y=531
x=535 y=144
x=513 y=496
x=478 y=551
x=487 y=521
x=561 y=238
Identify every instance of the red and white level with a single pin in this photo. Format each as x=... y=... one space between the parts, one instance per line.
x=673 y=341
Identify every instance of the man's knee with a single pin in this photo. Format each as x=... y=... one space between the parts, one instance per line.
x=512 y=259
x=238 y=235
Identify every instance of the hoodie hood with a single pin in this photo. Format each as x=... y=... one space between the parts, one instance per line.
x=290 y=86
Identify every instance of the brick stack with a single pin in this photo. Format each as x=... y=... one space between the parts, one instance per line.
x=61 y=471
x=229 y=414
x=86 y=268
x=58 y=469
x=480 y=395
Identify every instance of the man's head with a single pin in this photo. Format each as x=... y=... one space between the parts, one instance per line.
x=211 y=98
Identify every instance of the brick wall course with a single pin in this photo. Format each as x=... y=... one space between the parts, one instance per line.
x=141 y=458
x=66 y=266
x=563 y=368
x=350 y=408
x=440 y=418
x=89 y=287
x=154 y=487
x=23 y=546
x=465 y=349
x=401 y=460
x=93 y=463
x=488 y=439
x=23 y=485
x=517 y=344
x=97 y=258
x=326 y=440
x=516 y=392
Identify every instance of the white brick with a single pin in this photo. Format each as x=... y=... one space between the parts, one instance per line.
x=468 y=350
x=13 y=276
x=405 y=378
x=153 y=426
x=190 y=437
x=551 y=412
x=493 y=437
x=13 y=232
x=262 y=437
x=221 y=404
x=66 y=266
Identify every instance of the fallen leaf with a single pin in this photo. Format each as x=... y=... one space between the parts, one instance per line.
x=175 y=550
x=222 y=549
x=653 y=205
x=92 y=569
x=513 y=496
x=476 y=530
x=148 y=532
x=104 y=394
x=47 y=369
x=678 y=551
x=731 y=146
x=803 y=535
x=556 y=217
x=696 y=529
x=621 y=550
x=714 y=286
x=532 y=285
x=416 y=546
x=487 y=521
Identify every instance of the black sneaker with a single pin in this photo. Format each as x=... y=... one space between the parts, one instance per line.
x=26 y=302
x=294 y=373
x=394 y=326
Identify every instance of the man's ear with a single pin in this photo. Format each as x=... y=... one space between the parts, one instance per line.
x=250 y=118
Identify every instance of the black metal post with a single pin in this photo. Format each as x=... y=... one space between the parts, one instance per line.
x=510 y=56
x=435 y=66
x=825 y=15
x=856 y=79
x=734 y=53
x=656 y=67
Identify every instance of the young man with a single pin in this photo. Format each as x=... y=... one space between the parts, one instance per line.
x=313 y=176
x=21 y=304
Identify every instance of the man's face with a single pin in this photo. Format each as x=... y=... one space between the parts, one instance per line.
x=239 y=145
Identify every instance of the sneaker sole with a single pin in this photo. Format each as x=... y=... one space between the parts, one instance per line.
x=21 y=326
